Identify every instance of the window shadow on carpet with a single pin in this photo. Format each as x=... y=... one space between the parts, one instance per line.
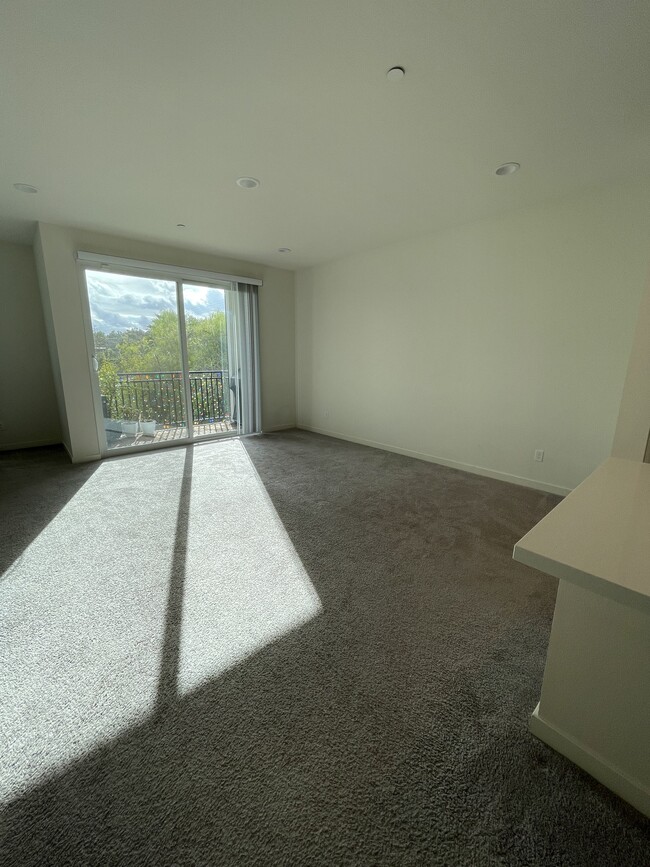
x=171 y=644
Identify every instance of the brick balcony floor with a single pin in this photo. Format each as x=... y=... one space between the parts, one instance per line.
x=121 y=441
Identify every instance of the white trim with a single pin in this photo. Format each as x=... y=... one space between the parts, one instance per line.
x=278 y=427
x=185 y=361
x=613 y=778
x=183 y=443
x=456 y=465
x=86 y=459
x=29 y=444
x=174 y=271
x=102 y=441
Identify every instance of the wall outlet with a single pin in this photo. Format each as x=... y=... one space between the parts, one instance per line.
x=2 y=427
x=326 y=413
x=539 y=454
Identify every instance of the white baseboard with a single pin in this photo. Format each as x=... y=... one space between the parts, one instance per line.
x=456 y=465
x=278 y=427
x=29 y=444
x=630 y=790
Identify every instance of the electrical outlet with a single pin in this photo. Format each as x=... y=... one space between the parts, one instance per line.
x=2 y=427
x=539 y=454
x=326 y=413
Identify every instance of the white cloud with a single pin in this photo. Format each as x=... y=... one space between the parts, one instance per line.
x=196 y=295
x=202 y=300
x=121 y=301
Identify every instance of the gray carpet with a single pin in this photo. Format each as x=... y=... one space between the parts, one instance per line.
x=283 y=650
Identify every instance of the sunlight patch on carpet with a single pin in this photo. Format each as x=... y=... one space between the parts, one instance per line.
x=245 y=585
x=150 y=569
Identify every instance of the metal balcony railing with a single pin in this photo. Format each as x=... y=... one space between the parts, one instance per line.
x=159 y=396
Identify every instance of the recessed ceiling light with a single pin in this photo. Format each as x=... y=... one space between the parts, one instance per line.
x=248 y=183
x=284 y=249
x=180 y=225
x=508 y=169
x=396 y=73
x=25 y=188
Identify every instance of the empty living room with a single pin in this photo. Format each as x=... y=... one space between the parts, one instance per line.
x=325 y=433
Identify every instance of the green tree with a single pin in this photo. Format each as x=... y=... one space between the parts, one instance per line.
x=206 y=342
x=107 y=377
x=107 y=374
x=157 y=349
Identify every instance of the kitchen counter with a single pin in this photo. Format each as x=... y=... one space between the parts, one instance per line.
x=595 y=701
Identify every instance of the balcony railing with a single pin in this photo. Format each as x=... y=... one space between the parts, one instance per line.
x=159 y=396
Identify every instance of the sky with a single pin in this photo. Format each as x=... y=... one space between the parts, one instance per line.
x=120 y=301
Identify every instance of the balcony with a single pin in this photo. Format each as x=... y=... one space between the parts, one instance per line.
x=142 y=408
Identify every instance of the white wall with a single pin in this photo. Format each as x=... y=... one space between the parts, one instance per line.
x=632 y=439
x=479 y=345
x=57 y=246
x=28 y=409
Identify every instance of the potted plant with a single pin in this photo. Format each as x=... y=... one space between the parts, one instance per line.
x=148 y=426
x=130 y=421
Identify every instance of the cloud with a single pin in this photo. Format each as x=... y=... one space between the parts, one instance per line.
x=203 y=300
x=109 y=321
x=196 y=295
x=121 y=301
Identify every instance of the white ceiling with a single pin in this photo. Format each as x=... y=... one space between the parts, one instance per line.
x=131 y=117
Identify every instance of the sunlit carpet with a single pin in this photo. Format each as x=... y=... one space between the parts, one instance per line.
x=280 y=650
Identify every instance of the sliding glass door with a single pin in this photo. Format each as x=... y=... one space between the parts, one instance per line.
x=213 y=410
x=137 y=358
x=173 y=360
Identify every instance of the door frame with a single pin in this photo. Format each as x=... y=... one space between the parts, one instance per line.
x=113 y=266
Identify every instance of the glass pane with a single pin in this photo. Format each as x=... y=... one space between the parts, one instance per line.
x=137 y=347
x=213 y=399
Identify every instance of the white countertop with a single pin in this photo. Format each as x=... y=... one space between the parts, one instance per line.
x=599 y=535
